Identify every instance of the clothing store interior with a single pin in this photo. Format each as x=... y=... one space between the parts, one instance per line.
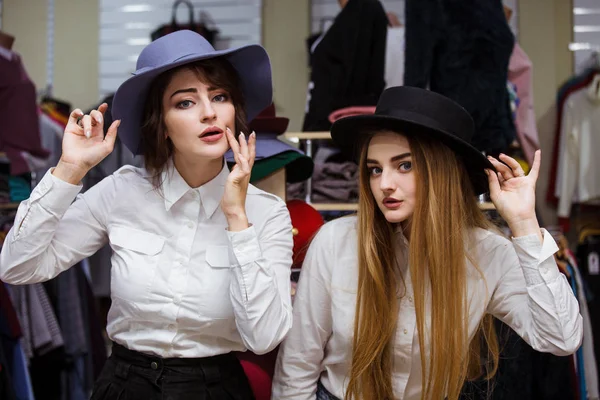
x=528 y=72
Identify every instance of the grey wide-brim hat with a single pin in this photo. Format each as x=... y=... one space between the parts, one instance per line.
x=182 y=47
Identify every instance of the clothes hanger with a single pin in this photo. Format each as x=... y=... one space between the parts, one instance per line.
x=587 y=232
x=6 y=40
x=593 y=89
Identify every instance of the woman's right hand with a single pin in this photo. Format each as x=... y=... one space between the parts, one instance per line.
x=84 y=145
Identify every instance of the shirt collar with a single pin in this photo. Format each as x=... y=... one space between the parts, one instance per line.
x=175 y=187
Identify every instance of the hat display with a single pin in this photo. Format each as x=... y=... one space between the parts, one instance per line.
x=418 y=112
x=183 y=47
x=273 y=154
x=350 y=111
x=306 y=221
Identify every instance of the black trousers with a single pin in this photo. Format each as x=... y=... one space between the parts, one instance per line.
x=130 y=375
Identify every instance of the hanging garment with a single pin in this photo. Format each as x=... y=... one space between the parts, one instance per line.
x=578 y=174
x=590 y=373
x=588 y=260
x=520 y=74
x=573 y=85
x=394 y=57
x=19 y=123
x=41 y=332
x=348 y=63
x=461 y=49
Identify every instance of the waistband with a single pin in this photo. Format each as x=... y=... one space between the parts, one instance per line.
x=146 y=360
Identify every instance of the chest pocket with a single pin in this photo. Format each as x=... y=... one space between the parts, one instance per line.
x=137 y=240
x=218 y=257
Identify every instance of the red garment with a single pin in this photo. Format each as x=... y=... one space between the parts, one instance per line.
x=7 y=311
x=19 y=121
x=259 y=370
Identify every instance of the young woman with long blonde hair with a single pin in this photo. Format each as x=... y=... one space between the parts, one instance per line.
x=398 y=301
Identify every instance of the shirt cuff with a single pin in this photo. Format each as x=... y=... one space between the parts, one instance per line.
x=537 y=258
x=245 y=246
x=54 y=194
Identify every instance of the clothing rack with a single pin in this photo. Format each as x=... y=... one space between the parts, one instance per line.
x=308 y=137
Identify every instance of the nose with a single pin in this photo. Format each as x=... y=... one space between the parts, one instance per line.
x=208 y=111
x=386 y=182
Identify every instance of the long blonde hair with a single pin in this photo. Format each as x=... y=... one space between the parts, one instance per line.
x=445 y=211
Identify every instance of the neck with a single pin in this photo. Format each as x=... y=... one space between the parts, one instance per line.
x=406 y=229
x=197 y=172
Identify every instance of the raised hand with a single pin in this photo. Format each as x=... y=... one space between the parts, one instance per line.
x=84 y=144
x=233 y=202
x=513 y=193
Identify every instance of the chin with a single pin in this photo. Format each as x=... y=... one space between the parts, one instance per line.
x=394 y=216
x=212 y=152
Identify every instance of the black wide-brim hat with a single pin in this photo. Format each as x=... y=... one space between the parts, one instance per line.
x=417 y=112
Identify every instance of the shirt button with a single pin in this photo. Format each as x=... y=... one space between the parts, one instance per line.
x=190 y=225
x=405 y=331
x=410 y=298
x=153 y=365
x=177 y=299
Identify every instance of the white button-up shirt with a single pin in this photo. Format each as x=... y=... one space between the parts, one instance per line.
x=182 y=285
x=524 y=289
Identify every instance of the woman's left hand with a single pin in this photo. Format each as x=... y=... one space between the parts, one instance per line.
x=513 y=193
x=233 y=202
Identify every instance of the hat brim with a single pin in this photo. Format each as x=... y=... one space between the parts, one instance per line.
x=298 y=167
x=276 y=125
x=349 y=133
x=251 y=63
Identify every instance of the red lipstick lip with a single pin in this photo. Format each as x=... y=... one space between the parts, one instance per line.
x=211 y=129
x=392 y=203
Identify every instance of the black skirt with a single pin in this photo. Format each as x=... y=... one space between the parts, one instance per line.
x=130 y=375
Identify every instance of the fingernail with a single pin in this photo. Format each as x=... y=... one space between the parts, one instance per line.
x=228 y=130
x=88 y=134
x=118 y=123
x=98 y=119
x=253 y=134
x=242 y=135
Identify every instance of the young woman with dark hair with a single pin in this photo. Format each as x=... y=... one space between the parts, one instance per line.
x=201 y=258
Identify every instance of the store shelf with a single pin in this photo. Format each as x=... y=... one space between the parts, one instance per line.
x=9 y=206
x=487 y=206
x=307 y=135
x=354 y=206
x=335 y=206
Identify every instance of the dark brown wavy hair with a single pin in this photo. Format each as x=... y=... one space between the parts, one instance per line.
x=157 y=148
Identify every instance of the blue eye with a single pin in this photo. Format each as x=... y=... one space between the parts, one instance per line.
x=405 y=166
x=374 y=171
x=185 y=104
x=221 y=98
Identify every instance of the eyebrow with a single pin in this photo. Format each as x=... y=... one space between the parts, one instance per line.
x=188 y=90
x=193 y=90
x=395 y=158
